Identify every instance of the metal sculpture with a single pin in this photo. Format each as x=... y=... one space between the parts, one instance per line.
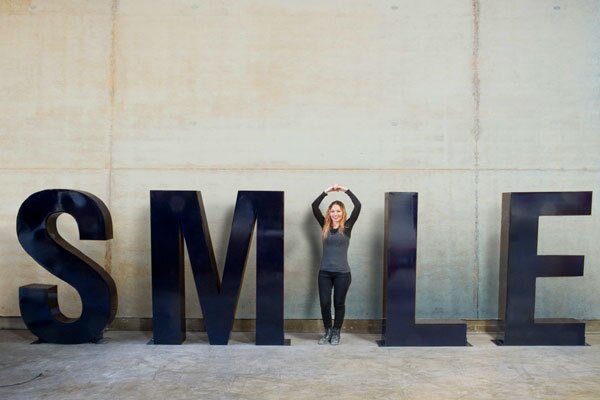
x=520 y=266
x=38 y=234
x=176 y=215
x=400 y=278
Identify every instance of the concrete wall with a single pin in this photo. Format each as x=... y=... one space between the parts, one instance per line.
x=458 y=100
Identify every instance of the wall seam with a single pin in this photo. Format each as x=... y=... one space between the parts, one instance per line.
x=112 y=72
x=192 y=168
x=451 y=169
x=476 y=131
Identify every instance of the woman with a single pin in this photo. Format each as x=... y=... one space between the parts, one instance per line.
x=334 y=271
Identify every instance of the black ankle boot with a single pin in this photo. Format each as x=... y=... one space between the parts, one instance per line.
x=326 y=337
x=335 y=336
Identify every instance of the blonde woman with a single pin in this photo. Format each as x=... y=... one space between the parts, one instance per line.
x=334 y=271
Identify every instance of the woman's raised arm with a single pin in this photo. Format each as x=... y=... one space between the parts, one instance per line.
x=317 y=211
x=356 y=211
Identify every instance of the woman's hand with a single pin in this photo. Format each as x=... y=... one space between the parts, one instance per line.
x=336 y=188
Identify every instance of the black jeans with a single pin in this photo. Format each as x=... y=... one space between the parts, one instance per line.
x=340 y=282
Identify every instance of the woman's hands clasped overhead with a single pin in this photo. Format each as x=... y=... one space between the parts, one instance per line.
x=336 y=188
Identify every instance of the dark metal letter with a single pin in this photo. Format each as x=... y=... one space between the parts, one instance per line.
x=37 y=233
x=520 y=266
x=176 y=215
x=400 y=260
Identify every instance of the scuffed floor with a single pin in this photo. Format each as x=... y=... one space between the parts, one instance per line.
x=125 y=367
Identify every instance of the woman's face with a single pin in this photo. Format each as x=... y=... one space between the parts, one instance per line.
x=335 y=213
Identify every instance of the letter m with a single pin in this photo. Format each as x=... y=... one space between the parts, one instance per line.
x=179 y=215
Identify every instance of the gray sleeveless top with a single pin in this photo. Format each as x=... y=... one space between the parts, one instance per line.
x=335 y=246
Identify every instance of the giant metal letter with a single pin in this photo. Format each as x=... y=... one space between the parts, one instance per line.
x=37 y=233
x=177 y=215
x=520 y=266
x=400 y=260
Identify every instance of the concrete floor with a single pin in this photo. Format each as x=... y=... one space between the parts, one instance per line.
x=124 y=367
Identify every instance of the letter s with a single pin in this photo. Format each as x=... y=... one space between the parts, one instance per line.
x=38 y=234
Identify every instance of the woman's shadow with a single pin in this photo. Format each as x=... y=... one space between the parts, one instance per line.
x=311 y=231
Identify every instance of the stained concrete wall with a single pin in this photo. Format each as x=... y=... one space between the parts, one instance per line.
x=457 y=100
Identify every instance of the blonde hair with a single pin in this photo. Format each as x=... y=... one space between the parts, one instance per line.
x=328 y=221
